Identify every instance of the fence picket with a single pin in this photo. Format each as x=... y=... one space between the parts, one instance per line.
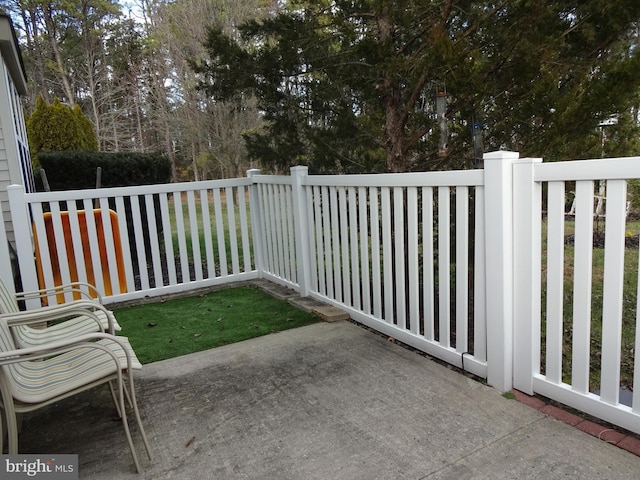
x=61 y=251
x=222 y=248
x=282 y=234
x=168 y=239
x=181 y=230
x=76 y=241
x=413 y=260
x=462 y=269
x=244 y=229
x=109 y=246
x=555 y=281
x=153 y=241
x=613 y=290
x=399 y=250
x=124 y=238
x=344 y=244
x=270 y=243
x=328 y=251
x=92 y=234
x=427 y=264
x=582 y=286
x=233 y=240
x=376 y=277
x=37 y=216
x=318 y=257
x=291 y=239
x=387 y=255
x=353 y=240
x=444 y=266
x=206 y=230
x=479 y=289
x=364 y=249
x=335 y=243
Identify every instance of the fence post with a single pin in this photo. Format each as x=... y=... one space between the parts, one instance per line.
x=6 y=271
x=256 y=221
x=498 y=182
x=301 y=228
x=527 y=217
x=20 y=218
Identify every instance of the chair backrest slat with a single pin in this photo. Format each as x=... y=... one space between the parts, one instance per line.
x=8 y=303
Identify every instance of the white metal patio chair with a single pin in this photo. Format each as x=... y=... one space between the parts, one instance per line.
x=78 y=317
x=31 y=378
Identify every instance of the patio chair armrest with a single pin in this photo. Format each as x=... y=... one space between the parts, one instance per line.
x=83 y=288
x=59 y=312
x=61 y=346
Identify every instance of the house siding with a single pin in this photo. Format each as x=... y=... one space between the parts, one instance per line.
x=15 y=160
x=5 y=174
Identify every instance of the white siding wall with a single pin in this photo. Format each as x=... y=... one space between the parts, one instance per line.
x=15 y=161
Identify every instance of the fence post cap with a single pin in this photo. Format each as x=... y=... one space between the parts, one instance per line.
x=500 y=155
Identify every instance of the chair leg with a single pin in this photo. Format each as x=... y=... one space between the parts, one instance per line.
x=125 y=423
x=12 y=429
x=114 y=397
x=10 y=417
x=3 y=431
x=128 y=392
x=131 y=396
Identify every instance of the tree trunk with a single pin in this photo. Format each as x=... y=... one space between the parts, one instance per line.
x=62 y=71
x=391 y=100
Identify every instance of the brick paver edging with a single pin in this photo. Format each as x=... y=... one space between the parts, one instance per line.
x=626 y=441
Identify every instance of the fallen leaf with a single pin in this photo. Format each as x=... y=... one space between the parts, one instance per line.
x=197 y=334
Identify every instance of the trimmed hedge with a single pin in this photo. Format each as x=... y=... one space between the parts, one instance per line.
x=77 y=170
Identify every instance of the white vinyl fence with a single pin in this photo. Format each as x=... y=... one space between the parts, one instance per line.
x=135 y=241
x=472 y=267
x=576 y=322
x=404 y=254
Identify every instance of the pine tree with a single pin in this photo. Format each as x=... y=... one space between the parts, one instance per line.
x=351 y=84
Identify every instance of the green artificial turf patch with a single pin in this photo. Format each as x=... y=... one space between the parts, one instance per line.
x=162 y=330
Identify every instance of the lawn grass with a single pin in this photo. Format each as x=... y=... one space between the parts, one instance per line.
x=176 y=327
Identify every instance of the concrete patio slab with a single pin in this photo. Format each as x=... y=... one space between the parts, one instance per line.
x=326 y=401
